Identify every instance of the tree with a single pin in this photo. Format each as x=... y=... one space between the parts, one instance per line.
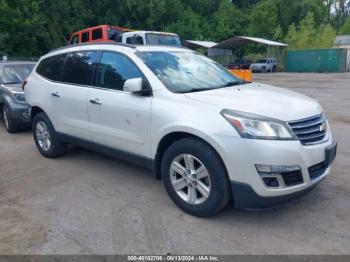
x=341 y=11
x=325 y=37
x=302 y=36
x=225 y=22
x=263 y=19
x=345 y=29
x=33 y=27
x=307 y=35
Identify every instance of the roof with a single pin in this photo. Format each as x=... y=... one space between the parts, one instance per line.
x=198 y=44
x=111 y=46
x=342 y=40
x=90 y=44
x=149 y=32
x=243 y=40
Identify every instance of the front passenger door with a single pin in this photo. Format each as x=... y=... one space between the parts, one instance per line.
x=118 y=119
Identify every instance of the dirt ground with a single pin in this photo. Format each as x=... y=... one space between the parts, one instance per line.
x=87 y=203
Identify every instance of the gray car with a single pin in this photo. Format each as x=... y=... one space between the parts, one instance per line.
x=13 y=106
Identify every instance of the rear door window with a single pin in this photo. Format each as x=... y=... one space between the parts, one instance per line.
x=79 y=67
x=97 y=34
x=50 y=67
x=85 y=37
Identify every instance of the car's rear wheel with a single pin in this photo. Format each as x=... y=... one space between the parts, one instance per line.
x=10 y=124
x=45 y=137
x=195 y=177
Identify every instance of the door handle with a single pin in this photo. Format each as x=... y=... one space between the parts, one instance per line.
x=55 y=94
x=95 y=101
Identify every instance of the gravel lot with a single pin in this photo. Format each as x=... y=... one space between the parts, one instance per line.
x=87 y=203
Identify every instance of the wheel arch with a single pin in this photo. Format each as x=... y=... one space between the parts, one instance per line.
x=34 y=110
x=170 y=138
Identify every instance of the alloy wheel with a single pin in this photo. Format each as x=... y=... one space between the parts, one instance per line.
x=190 y=179
x=6 y=118
x=43 y=135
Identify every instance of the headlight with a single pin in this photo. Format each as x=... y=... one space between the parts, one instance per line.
x=18 y=95
x=255 y=126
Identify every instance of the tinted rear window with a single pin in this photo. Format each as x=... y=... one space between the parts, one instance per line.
x=78 y=68
x=50 y=67
x=96 y=34
x=85 y=37
x=135 y=40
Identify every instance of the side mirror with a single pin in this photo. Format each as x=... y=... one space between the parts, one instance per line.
x=133 y=85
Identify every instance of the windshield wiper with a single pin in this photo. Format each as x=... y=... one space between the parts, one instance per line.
x=12 y=83
x=196 y=90
x=234 y=83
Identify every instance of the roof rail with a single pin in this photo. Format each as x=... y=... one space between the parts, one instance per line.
x=92 y=43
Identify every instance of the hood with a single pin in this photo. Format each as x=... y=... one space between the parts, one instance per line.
x=260 y=99
x=13 y=87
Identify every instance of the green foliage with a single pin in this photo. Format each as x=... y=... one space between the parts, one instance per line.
x=263 y=19
x=345 y=29
x=325 y=37
x=30 y=28
x=308 y=36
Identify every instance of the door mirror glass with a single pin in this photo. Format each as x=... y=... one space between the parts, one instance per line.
x=133 y=85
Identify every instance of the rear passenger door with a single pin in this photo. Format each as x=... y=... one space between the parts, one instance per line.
x=69 y=97
x=118 y=119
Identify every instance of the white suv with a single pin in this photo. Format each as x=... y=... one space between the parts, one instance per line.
x=264 y=65
x=210 y=136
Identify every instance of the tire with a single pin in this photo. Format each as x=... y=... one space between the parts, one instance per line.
x=203 y=195
x=45 y=137
x=10 y=124
x=263 y=70
x=274 y=70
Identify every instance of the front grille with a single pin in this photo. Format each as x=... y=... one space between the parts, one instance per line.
x=310 y=130
x=317 y=170
x=292 y=178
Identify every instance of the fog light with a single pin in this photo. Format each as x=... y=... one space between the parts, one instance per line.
x=280 y=176
x=271 y=181
x=276 y=169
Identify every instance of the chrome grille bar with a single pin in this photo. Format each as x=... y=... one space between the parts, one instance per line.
x=309 y=130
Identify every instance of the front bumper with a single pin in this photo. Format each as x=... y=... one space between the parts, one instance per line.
x=249 y=190
x=256 y=69
x=20 y=113
x=246 y=198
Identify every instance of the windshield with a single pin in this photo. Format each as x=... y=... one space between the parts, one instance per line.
x=183 y=72
x=162 y=39
x=14 y=74
x=262 y=61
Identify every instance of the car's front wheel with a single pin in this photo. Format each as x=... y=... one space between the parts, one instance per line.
x=45 y=137
x=195 y=177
